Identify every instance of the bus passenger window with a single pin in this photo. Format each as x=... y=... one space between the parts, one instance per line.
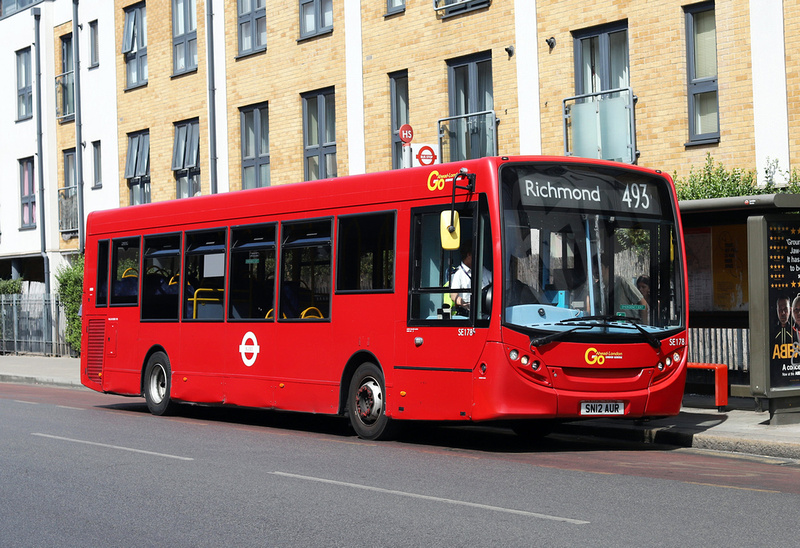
x=204 y=272
x=252 y=278
x=125 y=272
x=161 y=281
x=365 y=259
x=101 y=298
x=306 y=275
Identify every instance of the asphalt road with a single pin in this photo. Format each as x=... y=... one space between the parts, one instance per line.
x=79 y=468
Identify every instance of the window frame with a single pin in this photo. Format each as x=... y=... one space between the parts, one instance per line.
x=394 y=10
x=398 y=116
x=27 y=200
x=67 y=194
x=186 y=158
x=185 y=39
x=292 y=241
x=697 y=86
x=251 y=19
x=250 y=246
x=132 y=243
x=259 y=159
x=134 y=45
x=97 y=165
x=450 y=8
x=94 y=44
x=192 y=251
x=156 y=300
x=603 y=33
x=24 y=85
x=137 y=167
x=318 y=18
x=322 y=148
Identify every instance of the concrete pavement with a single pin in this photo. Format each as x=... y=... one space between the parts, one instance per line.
x=738 y=429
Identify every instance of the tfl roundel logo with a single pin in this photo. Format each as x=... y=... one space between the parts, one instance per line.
x=249 y=348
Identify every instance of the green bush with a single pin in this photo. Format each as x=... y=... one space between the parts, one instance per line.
x=11 y=287
x=713 y=180
x=70 y=291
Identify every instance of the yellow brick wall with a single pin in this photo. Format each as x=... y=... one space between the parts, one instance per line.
x=278 y=77
x=657 y=52
x=791 y=14
x=65 y=132
x=163 y=101
x=422 y=42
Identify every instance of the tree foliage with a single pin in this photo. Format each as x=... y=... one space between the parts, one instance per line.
x=713 y=180
x=70 y=291
x=11 y=287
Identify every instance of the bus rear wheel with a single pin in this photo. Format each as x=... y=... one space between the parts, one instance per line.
x=157 y=381
x=366 y=403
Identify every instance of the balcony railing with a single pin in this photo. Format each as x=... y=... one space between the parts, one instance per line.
x=65 y=95
x=601 y=125
x=468 y=136
x=68 y=210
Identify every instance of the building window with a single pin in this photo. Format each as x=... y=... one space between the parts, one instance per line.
x=24 y=89
x=186 y=159
x=68 y=196
x=137 y=167
x=13 y=6
x=395 y=6
x=27 y=193
x=184 y=36
x=471 y=128
x=97 y=163
x=319 y=134
x=255 y=146
x=316 y=17
x=65 y=82
x=449 y=8
x=134 y=45
x=94 y=45
x=701 y=63
x=399 y=92
x=252 y=26
x=601 y=59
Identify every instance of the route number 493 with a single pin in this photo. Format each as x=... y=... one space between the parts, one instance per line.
x=636 y=196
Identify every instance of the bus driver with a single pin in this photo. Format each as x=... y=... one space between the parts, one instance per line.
x=462 y=279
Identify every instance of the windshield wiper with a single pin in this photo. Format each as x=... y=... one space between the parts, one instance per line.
x=541 y=341
x=652 y=340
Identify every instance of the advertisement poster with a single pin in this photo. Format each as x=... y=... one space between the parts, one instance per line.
x=784 y=297
x=716 y=259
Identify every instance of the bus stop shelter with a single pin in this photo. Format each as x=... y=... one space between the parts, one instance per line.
x=741 y=255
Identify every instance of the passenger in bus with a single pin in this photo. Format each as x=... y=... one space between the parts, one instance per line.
x=462 y=279
x=643 y=285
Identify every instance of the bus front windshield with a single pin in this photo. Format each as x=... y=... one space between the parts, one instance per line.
x=588 y=247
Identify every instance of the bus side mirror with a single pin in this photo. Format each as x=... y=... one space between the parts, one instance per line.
x=450 y=233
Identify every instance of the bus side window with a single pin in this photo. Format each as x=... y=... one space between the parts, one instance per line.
x=161 y=280
x=252 y=277
x=125 y=272
x=306 y=275
x=102 y=273
x=366 y=247
x=204 y=275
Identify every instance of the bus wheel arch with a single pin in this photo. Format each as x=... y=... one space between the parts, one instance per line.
x=157 y=382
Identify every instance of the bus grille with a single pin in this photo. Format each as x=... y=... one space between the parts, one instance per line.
x=94 y=354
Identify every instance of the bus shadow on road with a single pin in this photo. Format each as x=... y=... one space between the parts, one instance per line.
x=482 y=437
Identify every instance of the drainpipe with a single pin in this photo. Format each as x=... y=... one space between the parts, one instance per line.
x=78 y=124
x=39 y=152
x=212 y=108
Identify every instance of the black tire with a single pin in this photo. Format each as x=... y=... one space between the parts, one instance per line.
x=366 y=403
x=157 y=384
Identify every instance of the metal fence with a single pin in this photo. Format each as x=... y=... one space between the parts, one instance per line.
x=718 y=345
x=33 y=324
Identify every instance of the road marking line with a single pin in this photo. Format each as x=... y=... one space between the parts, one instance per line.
x=434 y=499
x=28 y=402
x=69 y=407
x=111 y=446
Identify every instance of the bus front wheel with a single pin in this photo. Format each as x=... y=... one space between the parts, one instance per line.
x=366 y=403
x=157 y=380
